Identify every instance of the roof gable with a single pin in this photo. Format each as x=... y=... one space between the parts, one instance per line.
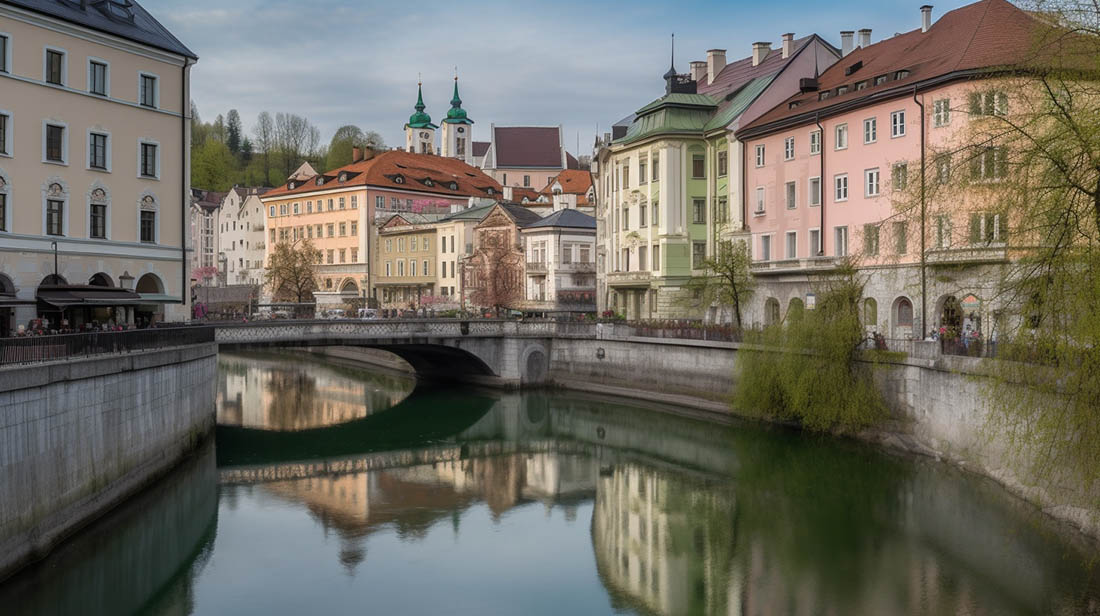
x=527 y=146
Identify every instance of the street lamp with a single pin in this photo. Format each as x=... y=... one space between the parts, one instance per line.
x=55 y=276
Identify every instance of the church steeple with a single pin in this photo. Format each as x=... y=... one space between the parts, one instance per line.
x=420 y=119
x=456 y=114
x=457 y=140
x=420 y=132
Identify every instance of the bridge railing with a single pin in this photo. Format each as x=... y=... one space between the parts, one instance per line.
x=36 y=349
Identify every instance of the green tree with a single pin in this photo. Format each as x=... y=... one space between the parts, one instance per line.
x=291 y=272
x=213 y=166
x=726 y=280
x=233 y=131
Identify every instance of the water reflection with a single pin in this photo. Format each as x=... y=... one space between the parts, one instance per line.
x=491 y=502
x=276 y=391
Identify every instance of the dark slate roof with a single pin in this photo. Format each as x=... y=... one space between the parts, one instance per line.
x=566 y=218
x=523 y=216
x=470 y=213
x=526 y=146
x=145 y=29
x=480 y=148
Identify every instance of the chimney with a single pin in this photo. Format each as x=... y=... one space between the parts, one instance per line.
x=846 y=42
x=698 y=70
x=760 y=51
x=788 y=45
x=865 y=38
x=925 y=17
x=716 y=61
x=356 y=154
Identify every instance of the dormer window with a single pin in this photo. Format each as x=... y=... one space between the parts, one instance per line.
x=842 y=90
x=901 y=75
x=397 y=179
x=881 y=79
x=343 y=177
x=453 y=186
x=320 y=180
x=862 y=85
x=793 y=104
x=489 y=190
x=428 y=182
x=292 y=185
x=823 y=95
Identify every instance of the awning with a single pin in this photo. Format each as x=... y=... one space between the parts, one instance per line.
x=158 y=298
x=69 y=296
x=8 y=300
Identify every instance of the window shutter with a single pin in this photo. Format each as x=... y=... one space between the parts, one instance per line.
x=975 y=103
x=1002 y=227
x=975 y=228
x=976 y=156
x=1001 y=162
x=1001 y=107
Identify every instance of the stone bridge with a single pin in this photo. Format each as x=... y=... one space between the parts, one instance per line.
x=511 y=353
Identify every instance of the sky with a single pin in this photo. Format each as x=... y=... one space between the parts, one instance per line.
x=583 y=65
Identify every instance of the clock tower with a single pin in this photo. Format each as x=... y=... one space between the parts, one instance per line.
x=457 y=131
x=420 y=132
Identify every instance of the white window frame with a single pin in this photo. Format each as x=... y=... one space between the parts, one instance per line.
x=897 y=124
x=761 y=202
x=791 y=203
x=64 y=65
x=760 y=155
x=787 y=244
x=156 y=90
x=763 y=237
x=810 y=241
x=106 y=220
x=836 y=187
x=815 y=142
x=837 y=242
x=7 y=149
x=88 y=150
x=941 y=112
x=271 y=211
x=872 y=189
x=870 y=130
x=788 y=148
x=6 y=68
x=106 y=77
x=811 y=194
x=6 y=191
x=838 y=130
x=64 y=143
x=160 y=156
x=66 y=210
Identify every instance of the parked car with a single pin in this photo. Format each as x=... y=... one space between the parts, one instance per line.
x=368 y=313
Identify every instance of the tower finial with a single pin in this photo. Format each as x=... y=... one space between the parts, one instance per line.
x=672 y=62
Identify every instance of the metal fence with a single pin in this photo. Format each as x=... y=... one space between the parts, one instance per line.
x=34 y=349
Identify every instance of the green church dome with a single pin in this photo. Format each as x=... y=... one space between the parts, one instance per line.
x=456 y=114
x=420 y=119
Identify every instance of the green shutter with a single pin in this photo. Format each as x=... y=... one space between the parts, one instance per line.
x=975 y=228
x=975 y=103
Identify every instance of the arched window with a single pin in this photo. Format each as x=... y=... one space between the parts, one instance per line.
x=98 y=212
x=905 y=313
x=771 y=311
x=150 y=284
x=100 y=280
x=148 y=219
x=870 y=313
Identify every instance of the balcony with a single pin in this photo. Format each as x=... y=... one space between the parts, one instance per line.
x=992 y=253
x=537 y=267
x=629 y=278
x=786 y=266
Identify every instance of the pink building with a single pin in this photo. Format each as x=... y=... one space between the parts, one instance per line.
x=826 y=169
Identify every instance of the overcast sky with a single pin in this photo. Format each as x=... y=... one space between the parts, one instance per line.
x=578 y=64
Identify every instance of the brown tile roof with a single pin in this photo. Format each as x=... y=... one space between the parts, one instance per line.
x=573 y=182
x=518 y=193
x=527 y=146
x=480 y=148
x=383 y=170
x=739 y=72
x=986 y=34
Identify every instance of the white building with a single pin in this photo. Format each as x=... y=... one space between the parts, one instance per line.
x=241 y=236
x=561 y=264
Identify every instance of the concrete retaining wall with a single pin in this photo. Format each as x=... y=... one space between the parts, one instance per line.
x=78 y=437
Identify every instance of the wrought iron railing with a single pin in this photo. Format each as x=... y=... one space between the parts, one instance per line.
x=35 y=349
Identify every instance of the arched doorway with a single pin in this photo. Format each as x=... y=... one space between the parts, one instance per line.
x=771 y=312
x=101 y=280
x=53 y=280
x=149 y=286
x=951 y=315
x=903 y=318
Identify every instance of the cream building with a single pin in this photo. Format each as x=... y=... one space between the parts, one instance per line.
x=241 y=236
x=94 y=154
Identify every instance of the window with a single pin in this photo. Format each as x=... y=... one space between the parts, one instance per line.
x=897 y=124
x=792 y=244
x=355 y=227
x=97 y=78
x=871 y=182
x=3 y=204
x=343 y=255
x=840 y=239
x=55 y=217
x=526 y=181
x=148 y=95
x=723 y=163
x=282 y=209
x=586 y=254
x=330 y=257
x=815 y=242
x=656 y=162
x=55 y=143
x=986 y=228
x=841 y=137
x=642 y=177
x=343 y=229
x=425 y=267
x=698 y=254
x=840 y=187
x=643 y=263
x=342 y=204
x=330 y=205
x=941 y=112
x=389 y=245
x=97 y=151
x=870 y=130
x=901 y=75
x=900 y=175
x=765 y=248
x=988 y=163
x=331 y=230
x=988 y=103
x=626 y=178
x=881 y=79
x=5 y=148
x=943 y=168
x=788 y=148
x=400 y=244
x=815 y=192
x=4 y=53
x=698 y=166
x=395 y=203
x=55 y=67
x=901 y=238
x=297 y=208
x=379 y=202
x=655 y=222
x=943 y=231
x=642 y=220
x=626 y=218
x=656 y=256
x=759 y=200
x=815 y=142
x=698 y=211
x=97 y=221
x=354 y=202
x=149 y=160
x=870 y=240
x=792 y=203
x=760 y=155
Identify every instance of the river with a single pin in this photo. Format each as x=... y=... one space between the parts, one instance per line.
x=334 y=488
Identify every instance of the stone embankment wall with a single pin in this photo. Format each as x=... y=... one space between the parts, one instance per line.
x=938 y=403
x=79 y=437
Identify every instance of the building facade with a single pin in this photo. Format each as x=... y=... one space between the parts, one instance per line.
x=406 y=270
x=205 y=237
x=242 y=238
x=526 y=156
x=560 y=263
x=94 y=156
x=669 y=179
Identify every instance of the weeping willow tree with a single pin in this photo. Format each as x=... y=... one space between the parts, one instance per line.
x=810 y=369
x=1022 y=178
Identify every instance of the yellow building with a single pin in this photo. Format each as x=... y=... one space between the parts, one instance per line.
x=94 y=155
x=407 y=265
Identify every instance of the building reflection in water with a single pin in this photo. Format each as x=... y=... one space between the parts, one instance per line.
x=266 y=391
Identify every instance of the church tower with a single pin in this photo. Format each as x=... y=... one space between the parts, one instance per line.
x=420 y=132
x=457 y=131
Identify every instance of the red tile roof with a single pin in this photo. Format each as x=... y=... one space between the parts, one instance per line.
x=573 y=182
x=739 y=72
x=383 y=170
x=527 y=146
x=984 y=35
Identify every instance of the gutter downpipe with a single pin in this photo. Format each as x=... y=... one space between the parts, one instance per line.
x=185 y=141
x=821 y=174
x=923 y=253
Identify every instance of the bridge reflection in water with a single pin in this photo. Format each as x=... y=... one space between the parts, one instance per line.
x=465 y=501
